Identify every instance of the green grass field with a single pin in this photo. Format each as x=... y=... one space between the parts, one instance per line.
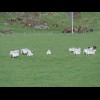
x=61 y=69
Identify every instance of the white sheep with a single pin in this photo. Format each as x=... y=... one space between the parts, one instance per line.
x=14 y=53
x=77 y=51
x=24 y=51
x=89 y=51
x=29 y=53
x=48 y=52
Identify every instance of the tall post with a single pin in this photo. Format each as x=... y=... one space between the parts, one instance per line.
x=72 y=22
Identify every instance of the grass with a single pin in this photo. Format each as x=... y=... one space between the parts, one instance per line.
x=61 y=69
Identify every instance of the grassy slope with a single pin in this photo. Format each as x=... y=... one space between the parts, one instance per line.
x=59 y=17
x=88 y=19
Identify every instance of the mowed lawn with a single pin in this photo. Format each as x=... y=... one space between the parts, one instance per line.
x=61 y=69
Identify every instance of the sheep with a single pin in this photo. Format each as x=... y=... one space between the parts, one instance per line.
x=77 y=51
x=48 y=52
x=89 y=51
x=14 y=53
x=24 y=51
x=29 y=53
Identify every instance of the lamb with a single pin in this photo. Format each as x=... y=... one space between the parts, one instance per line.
x=48 y=52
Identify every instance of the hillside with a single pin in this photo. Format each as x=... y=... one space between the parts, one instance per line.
x=53 y=21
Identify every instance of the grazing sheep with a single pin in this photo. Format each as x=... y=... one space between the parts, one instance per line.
x=24 y=51
x=48 y=52
x=89 y=51
x=77 y=51
x=14 y=54
x=29 y=53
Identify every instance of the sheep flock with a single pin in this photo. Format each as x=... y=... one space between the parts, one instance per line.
x=87 y=51
x=76 y=51
x=24 y=51
x=16 y=53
